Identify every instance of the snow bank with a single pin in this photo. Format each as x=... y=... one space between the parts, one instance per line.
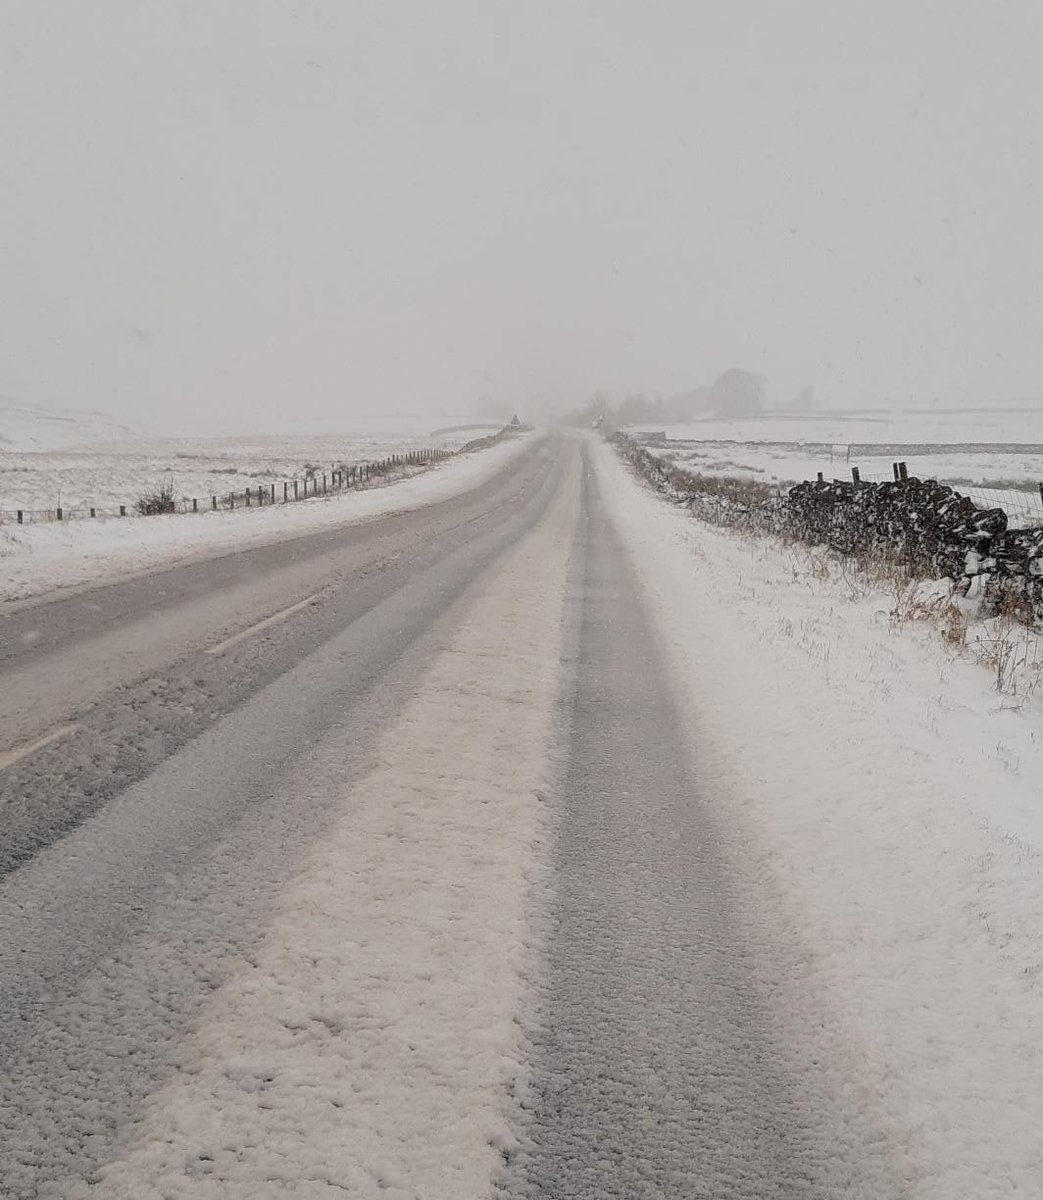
x=370 y=1046
x=42 y=558
x=893 y=801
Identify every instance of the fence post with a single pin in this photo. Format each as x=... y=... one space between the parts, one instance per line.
x=123 y=510
x=58 y=510
x=821 y=479
x=247 y=497
x=903 y=472
x=894 y=470
x=285 y=492
x=213 y=502
x=296 y=493
x=21 y=514
x=195 y=504
x=94 y=512
x=855 y=477
x=324 y=483
x=1041 y=493
x=231 y=500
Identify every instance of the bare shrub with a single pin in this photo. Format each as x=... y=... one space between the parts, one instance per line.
x=954 y=626
x=1014 y=654
x=157 y=502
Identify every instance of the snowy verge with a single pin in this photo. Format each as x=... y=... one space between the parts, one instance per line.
x=892 y=797
x=371 y=1045
x=37 y=559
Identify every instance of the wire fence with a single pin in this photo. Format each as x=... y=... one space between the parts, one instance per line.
x=1023 y=508
x=339 y=478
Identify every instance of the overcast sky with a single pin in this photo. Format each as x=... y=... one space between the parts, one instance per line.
x=240 y=206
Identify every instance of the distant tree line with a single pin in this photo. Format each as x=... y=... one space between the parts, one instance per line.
x=735 y=393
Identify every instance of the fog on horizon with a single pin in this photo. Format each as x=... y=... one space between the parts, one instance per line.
x=230 y=212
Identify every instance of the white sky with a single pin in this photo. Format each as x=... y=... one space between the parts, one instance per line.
x=244 y=207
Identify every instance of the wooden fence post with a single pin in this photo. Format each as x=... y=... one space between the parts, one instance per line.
x=855 y=477
x=213 y=502
x=894 y=469
x=195 y=504
x=903 y=472
x=296 y=494
x=820 y=477
x=21 y=514
x=94 y=512
x=123 y=510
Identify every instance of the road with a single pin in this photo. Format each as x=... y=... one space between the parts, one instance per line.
x=424 y=773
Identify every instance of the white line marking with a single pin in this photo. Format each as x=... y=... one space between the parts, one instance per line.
x=10 y=757
x=228 y=643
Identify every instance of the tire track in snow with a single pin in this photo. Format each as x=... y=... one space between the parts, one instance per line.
x=662 y=1065
x=371 y=1047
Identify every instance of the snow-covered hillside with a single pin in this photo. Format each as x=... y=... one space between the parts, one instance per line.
x=26 y=427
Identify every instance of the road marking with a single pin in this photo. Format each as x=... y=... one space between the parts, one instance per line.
x=10 y=757
x=228 y=643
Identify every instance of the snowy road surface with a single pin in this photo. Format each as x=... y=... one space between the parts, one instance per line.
x=398 y=861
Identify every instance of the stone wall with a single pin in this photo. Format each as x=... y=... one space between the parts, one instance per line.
x=927 y=526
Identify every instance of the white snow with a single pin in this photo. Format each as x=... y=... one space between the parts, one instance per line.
x=888 y=799
x=27 y=427
x=869 y=425
x=371 y=1045
x=37 y=559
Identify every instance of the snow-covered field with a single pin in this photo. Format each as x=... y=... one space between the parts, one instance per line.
x=785 y=449
x=109 y=473
x=891 y=794
x=39 y=558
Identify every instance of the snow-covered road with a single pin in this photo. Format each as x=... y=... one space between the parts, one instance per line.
x=661 y=1064
x=429 y=859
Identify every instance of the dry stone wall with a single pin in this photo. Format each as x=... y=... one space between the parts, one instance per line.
x=927 y=526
